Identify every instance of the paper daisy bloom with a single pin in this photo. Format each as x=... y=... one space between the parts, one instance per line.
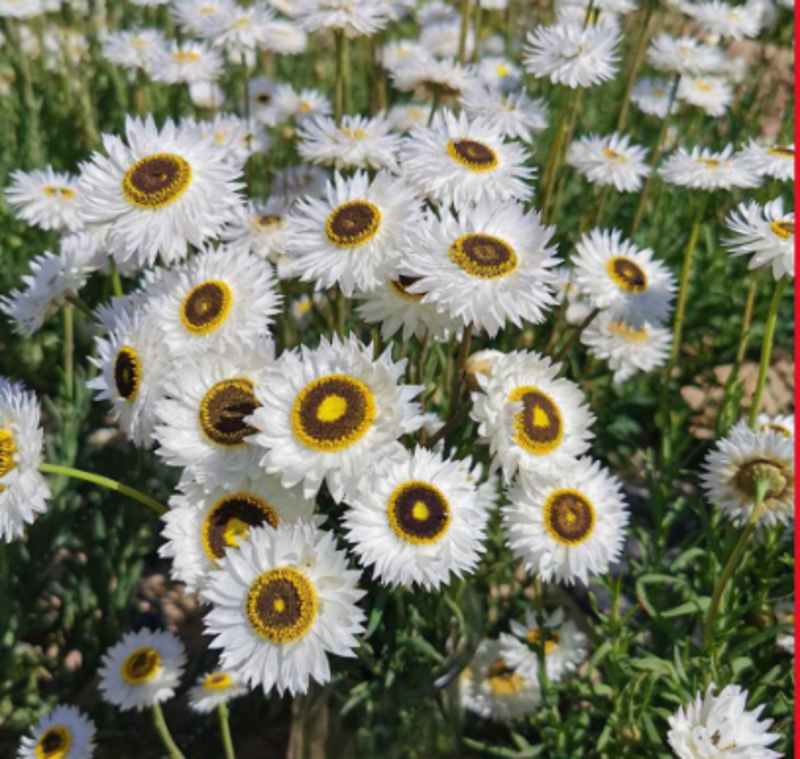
x=133 y=49
x=569 y=525
x=163 y=191
x=765 y=234
x=354 y=237
x=325 y=414
x=463 y=162
x=142 y=670
x=202 y=421
x=651 y=96
x=610 y=160
x=357 y=143
x=531 y=418
x=484 y=266
x=573 y=55
x=519 y=116
x=133 y=364
x=775 y=161
x=237 y=28
x=353 y=18
x=201 y=525
x=301 y=106
x=717 y=724
x=711 y=93
x=428 y=77
x=782 y=424
x=628 y=281
x=220 y=297
x=191 y=15
x=742 y=461
x=186 y=61
x=282 y=602
x=296 y=182
x=214 y=690
x=705 y=169
x=260 y=228
x=565 y=646
x=46 y=199
x=415 y=519
x=235 y=138
x=493 y=690
x=730 y=21
x=499 y=73
x=64 y=733
x=627 y=349
x=684 y=55
x=284 y=38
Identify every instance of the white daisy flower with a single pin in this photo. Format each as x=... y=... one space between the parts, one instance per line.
x=163 y=191
x=192 y=15
x=300 y=106
x=132 y=49
x=325 y=414
x=461 y=162
x=610 y=160
x=234 y=137
x=186 y=61
x=531 y=418
x=295 y=182
x=626 y=280
x=684 y=55
x=214 y=690
x=627 y=349
x=485 y=265
x=430 y=78
x=519 y=116
x=358 y=142
x=201 y=525
x=142 y=670
x=260 y=228
x=493 y=690
x=219 y=297
x=23 y=490
x=282 y=602
x=620 y=7
x=651 y=96
x=46 y=199
x=407 y=116
x=775 y=161
x=765 y=233
x=577 y=304
x=353 y=18
x=574 y=14
x=499 y=73
x=444 y=40
x=133 y=364
x=739 y=462
x=64 y=733
x=237 y=28
x=704 y=169
x=354 y=237
x=53 y=279
x=711 y=93
x=784 y=615
x=568 y=524
x=715 y=725
x=392 y=53
x=782 y=424
x=415 y=519
x=284 y=38
x=261 y=89
x=573 y=55
x=726 y=20
x=565 y=646
x=203 y=422
x=207 y=95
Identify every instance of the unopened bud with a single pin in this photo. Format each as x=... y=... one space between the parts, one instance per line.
x=480 y=362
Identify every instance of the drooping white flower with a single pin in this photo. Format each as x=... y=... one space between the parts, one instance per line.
x=711 y=93
x=775 y=161
x=519 y=116
x=651 y=95
x=764 y=233
x=683 y=55
x=610 y=160
x=705 y=169
x=353 y=18
x=726 y=20
x=45 y=198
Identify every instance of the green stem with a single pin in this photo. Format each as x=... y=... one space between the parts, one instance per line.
x=437 y=96
x=462 y=40
x=68 y=313
x=347 y=79
x=116 y=281
x=80 y=304
x=163 y=731
x=476 y=55
x=733 y=562
x=638 y=56
x=568 y=114
x=105 y=482
x=340 y=64
x=33 y=133
x=747 y=319
x=458 y=379
x=601 y=205
x=225 y=729
x=576 y=333
x=766 y=349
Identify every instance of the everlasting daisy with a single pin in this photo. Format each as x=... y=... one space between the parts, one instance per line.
x=260 y=228
x=163 y=191
x=767 y=234
x=704 y=169
x=192 y=15
x=214 y=690
x=493 y=690
x=186 y=61
x=567 y=293
x=405 y=117
x=358 y=142
x=234 y=137
x=353 y=18
x=284 y=38
x=519 y=116
x=782 y=424
x=684 y=55
x=63 y=733
x=573 y=55
x=416 y=520
x=499 y=73
x=461 y=162
x=325 y=414
x=133 y=49
x=207 y=95
x=484 y=265
x=626 y=280
x=23 y=490
x=237 y=28
x=354 y=237
x=201 y=525
x=627 y=349
x=282 y=602
x=261 y=89
x=203 y=421
x=531 y=418
x=711 y=93
x=775 y=161
x=142 y=670
x=569 y=524
x=652 y=96
x=565 y=646
x=743 y=460
x=393 y=53
x=719 y=725
x=430 y=78
x=610 y=160
x=726 y=20
x=46 y=199
x=300 y=106
x=295 y=182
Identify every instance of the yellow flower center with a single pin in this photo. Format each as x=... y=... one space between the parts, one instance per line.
x=627 y=274
x=127 y=373
x=614 y=156
x=538 y=428
x=8 y=452
x=230 y=520
x=156 y=180
x=353 y=223
x=781 y=152
x=282 y=605
x=217 y=681
x=181 y=56
x=54 y=743
x=418 y=512
x=503 y=680
x=783 y=229
x=400 y=288
x=141 y=666
x=473 y=155
x=224 y=409
x=206 y=307
x=353 y=134
x=483 y=256
x=569 y=517
x=267 y=221
x=703 y=86
x=65 y=193
x=532 y=637
x=631 y=334
x=773 y=427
